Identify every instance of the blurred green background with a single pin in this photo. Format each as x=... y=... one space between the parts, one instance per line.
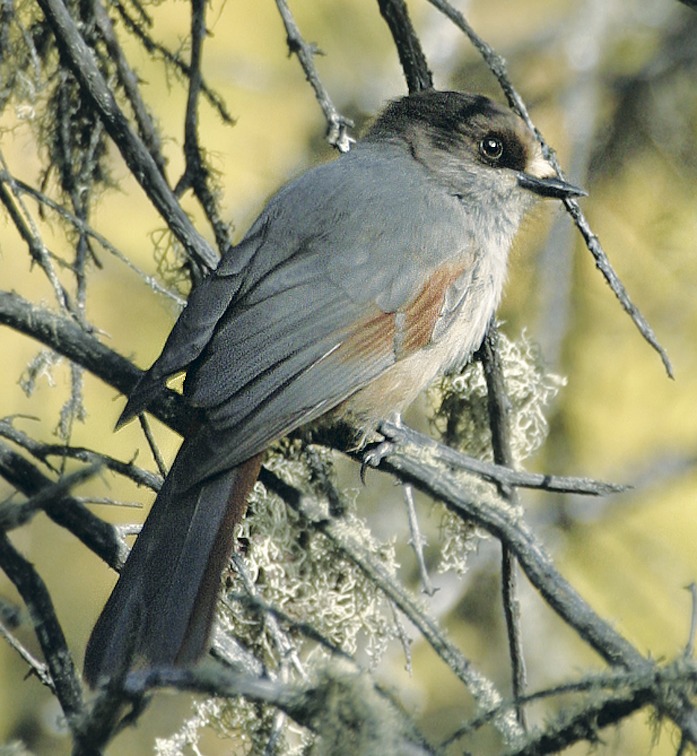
x=611 y=86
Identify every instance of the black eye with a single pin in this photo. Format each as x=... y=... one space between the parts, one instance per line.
x=491 y=147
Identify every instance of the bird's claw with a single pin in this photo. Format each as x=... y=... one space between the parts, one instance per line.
x=373 y=456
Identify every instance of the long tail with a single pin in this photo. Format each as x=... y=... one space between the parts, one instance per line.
x=163 y=607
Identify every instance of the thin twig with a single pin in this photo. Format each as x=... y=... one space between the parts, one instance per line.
x=337 y=124
x=690 y=645
x=65 y=337
x=129 y=81
x=586 y=724
x=38 y=668
x=497 y=65
x=38 y=601
x=411 y=54
x=417 y=540
x=42 y=451
x=20 y=187
x=605 y=267
x=82 y=63
x=623 y=685
x=64 y=510
x=196 y=174
x=483 y=690
x=499 y=424
x=404 y=639
x=154 y=47
x=498 y=474
x=14 y=515
x=152 y=444
x=28 y=232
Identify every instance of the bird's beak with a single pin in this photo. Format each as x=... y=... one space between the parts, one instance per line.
x=549 y=187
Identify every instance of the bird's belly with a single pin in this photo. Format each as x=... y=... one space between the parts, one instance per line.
x=399 y=385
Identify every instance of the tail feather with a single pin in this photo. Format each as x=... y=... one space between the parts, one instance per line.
x=163 y=607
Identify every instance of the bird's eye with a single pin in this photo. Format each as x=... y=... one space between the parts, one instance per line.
x=491 y=148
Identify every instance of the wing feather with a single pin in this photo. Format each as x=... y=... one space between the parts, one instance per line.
x=293 y=392
x=314 y=306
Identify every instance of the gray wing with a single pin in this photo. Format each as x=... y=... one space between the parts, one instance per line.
x=313 y=305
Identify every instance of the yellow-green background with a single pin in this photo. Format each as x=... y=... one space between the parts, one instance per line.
x=618 y=418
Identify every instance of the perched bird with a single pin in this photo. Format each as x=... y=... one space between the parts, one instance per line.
x=359 y=282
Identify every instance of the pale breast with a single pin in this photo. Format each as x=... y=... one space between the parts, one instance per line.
x=466 y=309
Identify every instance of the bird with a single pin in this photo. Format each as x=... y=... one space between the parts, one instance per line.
x=360 y=281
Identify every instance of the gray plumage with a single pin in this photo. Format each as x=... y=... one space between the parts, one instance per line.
x=357 y=284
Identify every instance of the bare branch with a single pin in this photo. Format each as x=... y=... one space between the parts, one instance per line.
x=509 y=527
x=372 y=716
x=14 y=515
x=129 y=81
x=82 y=63
x=411 y=55
x=196 y=174
x=499 y=411
x=37 y=249
x=605 y=267
x=63 y=509
x=416 y=540
x=337 y=124
x=497 y=65
x=20 y=187
x=67 y=338
x=38 y=668
x=47 y=628
x=153 y=47
x=498 y=474
x=43 y=451
x=613 y=696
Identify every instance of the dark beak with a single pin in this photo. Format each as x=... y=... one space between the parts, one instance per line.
x=549 y=187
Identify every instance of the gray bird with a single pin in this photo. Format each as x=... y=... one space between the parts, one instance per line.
x=360 y=282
